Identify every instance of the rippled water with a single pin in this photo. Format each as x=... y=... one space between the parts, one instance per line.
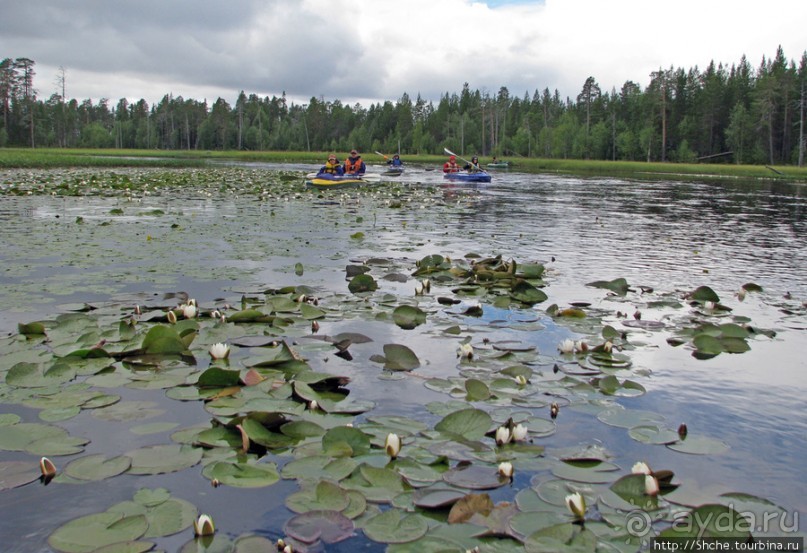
x=670 y=235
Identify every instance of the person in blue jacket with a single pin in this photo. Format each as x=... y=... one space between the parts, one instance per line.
x=395 y=161
x=332 y=166
x=354 y=165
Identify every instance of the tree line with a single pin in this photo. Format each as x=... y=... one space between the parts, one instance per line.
x=733 y=114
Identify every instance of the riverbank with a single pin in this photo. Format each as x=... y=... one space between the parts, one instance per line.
x=53 y=157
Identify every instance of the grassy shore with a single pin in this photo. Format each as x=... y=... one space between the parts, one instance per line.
x=53 y=157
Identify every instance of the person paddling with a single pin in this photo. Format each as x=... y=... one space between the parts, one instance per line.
x=354 y=165
x=332 y=166
x=451 y=166
x=473 y=167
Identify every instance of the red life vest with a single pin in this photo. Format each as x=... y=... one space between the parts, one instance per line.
x=353 y=166
x=451 y=167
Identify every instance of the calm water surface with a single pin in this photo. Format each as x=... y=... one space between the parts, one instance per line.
x=669 y=235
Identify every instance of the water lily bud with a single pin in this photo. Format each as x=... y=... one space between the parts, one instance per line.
x=313 y=405
x=650 y=485
x=215 y=483
x=419 y=289
x=566 y=346
x=741 y=294
x=215 y=314
x=502 y=435
x=682 y=431
x=506 y=469
x=189 y=311
x=137 y=310
x=553 y=410
x=172 y=317
x=219 y=351
x=581 y=346
x=519 y=433
x=607 y=347
x=641 y=468
x=47 y=467
x=393 y=445
x=709 y=305
x=314 y=326
x=203 y=526
x=427 y=285
x=577 y=505
x=466 y=351
x=192 y=302
x=288 y=549
x=521 y=380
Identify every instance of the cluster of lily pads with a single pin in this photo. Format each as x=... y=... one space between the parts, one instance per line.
x=425 y=492
x=471 y=472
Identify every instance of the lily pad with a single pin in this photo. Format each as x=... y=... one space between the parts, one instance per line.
x=400 y=358
x=88 y=533
x=408 y=316
x=394 y=526
x=314 y=526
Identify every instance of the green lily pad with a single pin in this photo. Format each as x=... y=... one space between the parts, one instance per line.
x=160 y=459
x=314 y=526
x=704 y=294
x=470 y=424
x=475 y=477
x=97 y=467
x=394 y=526
x=362 y=283
x=699 y=445
x=400 y=358
x=14 y=474
x=88 y=533
x=324 y=496
x=408 y=316
x=710 y=521
x=240 y=475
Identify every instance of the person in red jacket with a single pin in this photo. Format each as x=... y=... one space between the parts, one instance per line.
x=451 y=166
x=354 y=165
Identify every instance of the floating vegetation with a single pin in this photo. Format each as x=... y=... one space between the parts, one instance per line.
x=274 y=404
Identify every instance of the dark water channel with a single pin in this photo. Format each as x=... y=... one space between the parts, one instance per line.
x=670 y=236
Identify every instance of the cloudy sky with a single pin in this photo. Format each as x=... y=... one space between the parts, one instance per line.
x=370 y=51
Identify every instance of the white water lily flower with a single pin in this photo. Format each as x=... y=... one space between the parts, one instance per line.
x=580 y=346
x=392 y=445
x=215 y=314
x=419 y=289
x=709 y=305
x=566 y=346
x=466 y=351
x=172 y=317
x=502 y=435
x=641 y=468
x=427 y=285
x=651 y=485
x=219 y=351
x=203 y=526
x=519 y=433
x=189 y=311
x=506 y=469
x=192 y=302
x=577 y=505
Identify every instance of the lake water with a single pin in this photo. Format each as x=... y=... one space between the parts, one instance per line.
x=233 y=235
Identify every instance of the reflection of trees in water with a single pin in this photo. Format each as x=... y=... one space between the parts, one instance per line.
x=732 y=227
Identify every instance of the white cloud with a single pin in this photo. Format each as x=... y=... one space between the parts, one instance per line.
x=357 y=50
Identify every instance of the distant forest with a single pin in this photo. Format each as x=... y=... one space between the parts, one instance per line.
x=734 y=114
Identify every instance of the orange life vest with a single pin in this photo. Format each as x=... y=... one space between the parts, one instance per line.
x=353 y=166
x=451 y=167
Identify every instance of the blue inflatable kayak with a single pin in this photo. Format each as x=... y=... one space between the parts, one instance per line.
x=479 y=176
